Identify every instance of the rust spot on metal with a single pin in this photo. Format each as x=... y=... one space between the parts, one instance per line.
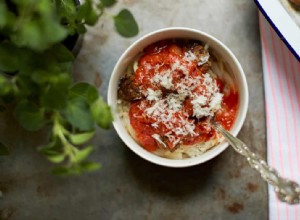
x=97 y=80
x=235 y=208
x=95 y=38
x=149 y=208
x=220 y=193
x=239 y=165
x=234 y=174
x=251 y=187
x=7 y=213
x=43 y=191
x=4 y=187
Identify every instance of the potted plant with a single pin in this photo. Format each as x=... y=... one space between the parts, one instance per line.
x=36 y=42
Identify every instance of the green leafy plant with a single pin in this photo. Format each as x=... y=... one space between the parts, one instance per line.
x=36 y=38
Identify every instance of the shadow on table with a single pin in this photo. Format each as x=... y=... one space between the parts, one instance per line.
x=174 y=182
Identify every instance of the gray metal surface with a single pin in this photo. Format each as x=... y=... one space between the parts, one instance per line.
x=127 y=187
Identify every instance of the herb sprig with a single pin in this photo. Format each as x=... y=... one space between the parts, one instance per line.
x=36 y=75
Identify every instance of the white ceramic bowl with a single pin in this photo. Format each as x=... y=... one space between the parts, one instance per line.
x=171 y=33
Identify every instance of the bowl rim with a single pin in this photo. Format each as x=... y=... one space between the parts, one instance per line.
x=177 y=163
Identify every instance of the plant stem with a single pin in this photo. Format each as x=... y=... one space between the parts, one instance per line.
x=60 y=132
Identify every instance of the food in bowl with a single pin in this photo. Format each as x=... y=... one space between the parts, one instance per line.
x=168 y=94
x=296 y=3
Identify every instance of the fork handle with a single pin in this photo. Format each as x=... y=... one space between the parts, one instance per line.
x=287 y=191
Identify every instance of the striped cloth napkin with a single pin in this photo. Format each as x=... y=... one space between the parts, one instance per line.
x=282 y=97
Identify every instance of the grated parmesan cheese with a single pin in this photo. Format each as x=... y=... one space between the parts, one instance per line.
x=203 y=59
x=189 y=56
x=199 y=100
x=153 y=95
x=164 y=79
x=157 y=137
x=168 y=109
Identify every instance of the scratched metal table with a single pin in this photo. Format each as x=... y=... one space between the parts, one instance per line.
x=128 y=187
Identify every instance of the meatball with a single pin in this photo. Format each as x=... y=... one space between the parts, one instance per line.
x=128 y=90
x=295 y=3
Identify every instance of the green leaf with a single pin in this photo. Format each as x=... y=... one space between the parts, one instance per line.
x=6 y=86
x=83 y=154
x=84 y=90
x=76 y=169
x=108 y=3
x=53 y=31
x=30 y=116
x=66 y=6
x=43 y=6
x=53 y=151
x=9 y=57
x=80 y=28
x=55 y=95
x=56 y=158
x=48 y=152
x=3 y=15
x=89 y=166
x=101 y=113
x=92 y=18
x=83 y=10
x=54 y=98
x=66 y=10
x=4 y=150
x=126 y=24
x=81 y=138
x=66 y=171
x=54 y=147
x=40 y=34
x=87 y=13
x=61 y=53
x=78 y=114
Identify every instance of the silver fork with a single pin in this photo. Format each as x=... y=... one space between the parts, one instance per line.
x=287 y=191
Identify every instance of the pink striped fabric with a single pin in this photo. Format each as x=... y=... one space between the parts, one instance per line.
x=282 y=97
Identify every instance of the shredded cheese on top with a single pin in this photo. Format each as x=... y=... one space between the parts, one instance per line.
x=167 y=109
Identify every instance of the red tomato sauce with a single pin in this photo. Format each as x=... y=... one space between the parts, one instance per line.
x=163 y=55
